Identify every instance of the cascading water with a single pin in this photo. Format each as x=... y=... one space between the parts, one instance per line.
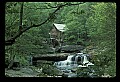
x=66 y=64
x=72 y=62
x=85 y=60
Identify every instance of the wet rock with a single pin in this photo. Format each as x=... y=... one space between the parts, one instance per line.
x=72 y=75
x=64 y=75
x=74 y=70
x=16 y=68
x=51 y=70
x=66 y=71
x=23 y=72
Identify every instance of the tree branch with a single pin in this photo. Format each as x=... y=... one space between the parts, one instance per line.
x=41 y=7
x=12 y=39
x=50 y=7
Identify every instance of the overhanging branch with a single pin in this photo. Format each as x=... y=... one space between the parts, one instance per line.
x=12 y=39
x=51 y=7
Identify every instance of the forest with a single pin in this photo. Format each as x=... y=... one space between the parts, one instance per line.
x=91 y=25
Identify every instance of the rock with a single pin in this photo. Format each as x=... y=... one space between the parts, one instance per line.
x=72 y=75
x=64 y=75
x=66 y=71
x=23 y=72
x=74 y=70
x=16 y=68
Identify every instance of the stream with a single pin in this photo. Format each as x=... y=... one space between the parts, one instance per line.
x=73 y=63
x=76 y=65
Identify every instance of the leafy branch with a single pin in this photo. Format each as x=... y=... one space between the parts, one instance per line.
x=21 y=30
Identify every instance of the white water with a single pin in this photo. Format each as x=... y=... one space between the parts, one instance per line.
x=66 y=64
x=85 y=60
x=72 y=62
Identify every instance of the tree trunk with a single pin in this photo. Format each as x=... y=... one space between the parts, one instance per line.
x=11 y=62
x=21 y=16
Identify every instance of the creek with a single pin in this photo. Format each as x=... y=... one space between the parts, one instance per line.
x=73 y=63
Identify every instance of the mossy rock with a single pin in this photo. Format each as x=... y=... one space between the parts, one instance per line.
x=51 y=70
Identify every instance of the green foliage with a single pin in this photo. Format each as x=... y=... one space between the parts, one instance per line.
x=102 y=32
x=49 y=69
x=12 y=54
x=32 y=40
x=75 y=18
x=90 y=23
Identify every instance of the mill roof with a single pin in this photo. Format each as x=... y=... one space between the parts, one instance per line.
x=59 y=27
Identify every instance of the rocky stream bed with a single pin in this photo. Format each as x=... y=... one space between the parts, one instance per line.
x=46 y=69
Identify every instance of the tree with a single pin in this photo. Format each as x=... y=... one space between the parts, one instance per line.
x=23 y=16
x=75 y=18
x=102 y=30
x=23 y=29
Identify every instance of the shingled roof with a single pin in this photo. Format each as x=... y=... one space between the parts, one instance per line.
x=59 y=27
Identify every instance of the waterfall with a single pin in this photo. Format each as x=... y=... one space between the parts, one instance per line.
x=72 y=61
x=69 y=65
x=85 y=60
x=65 y=62
x=69 y=58
x=76 y=59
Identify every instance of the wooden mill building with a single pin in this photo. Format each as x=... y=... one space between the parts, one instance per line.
x=56 y=33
